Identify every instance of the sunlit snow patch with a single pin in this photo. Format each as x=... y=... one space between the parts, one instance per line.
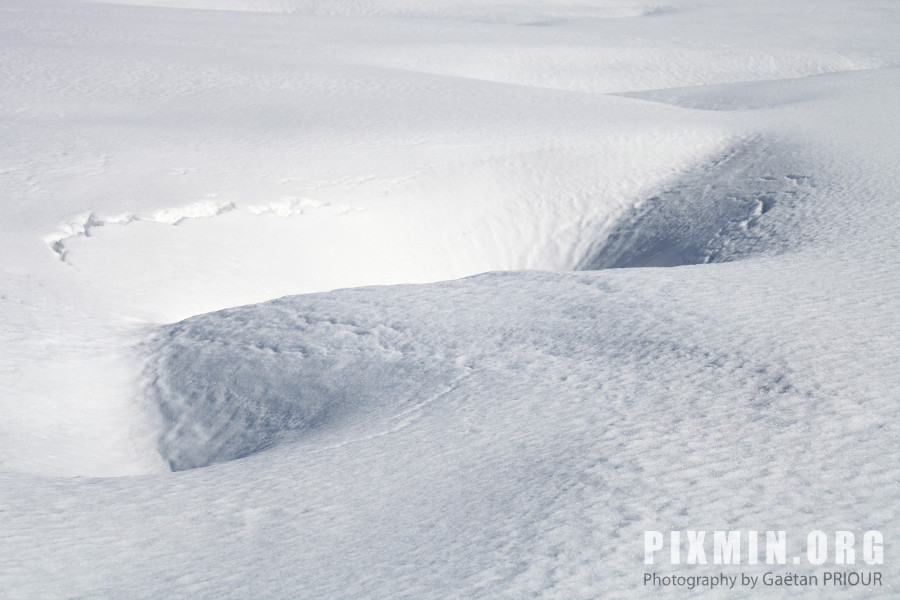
x=83 y=225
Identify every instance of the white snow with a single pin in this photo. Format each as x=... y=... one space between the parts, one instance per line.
x=508 y=421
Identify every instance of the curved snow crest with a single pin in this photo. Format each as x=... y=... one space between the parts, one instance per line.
x=327 y=370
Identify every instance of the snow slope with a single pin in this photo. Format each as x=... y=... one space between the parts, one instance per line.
x=507 y=435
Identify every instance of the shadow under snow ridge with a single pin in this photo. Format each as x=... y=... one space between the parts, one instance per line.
x=238 y=381
x=743 y=203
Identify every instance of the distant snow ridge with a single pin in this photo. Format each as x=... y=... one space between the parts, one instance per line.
x=329 y=370
x=461 y=9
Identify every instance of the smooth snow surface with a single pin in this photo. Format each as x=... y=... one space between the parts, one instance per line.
x=508 y=422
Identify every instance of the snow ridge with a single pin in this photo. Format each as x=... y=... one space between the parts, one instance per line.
x=458 y=9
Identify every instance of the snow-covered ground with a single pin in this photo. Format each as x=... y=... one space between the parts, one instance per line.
x=510 y=434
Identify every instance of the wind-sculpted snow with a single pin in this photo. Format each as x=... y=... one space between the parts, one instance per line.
x=243 y=380
x=285 y=374
x=181 y=418
x=714 y=214
x=320 y=369
x=543 y=420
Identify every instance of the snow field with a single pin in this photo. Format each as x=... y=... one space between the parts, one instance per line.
x=505 y=435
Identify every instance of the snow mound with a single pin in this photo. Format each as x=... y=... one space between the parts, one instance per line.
x=621 y=68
